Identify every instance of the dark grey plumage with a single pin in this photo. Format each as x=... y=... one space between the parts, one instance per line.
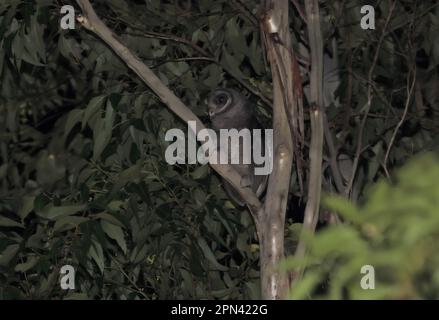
x=228 y=109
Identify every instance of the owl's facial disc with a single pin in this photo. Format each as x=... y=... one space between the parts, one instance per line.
x=219 y=103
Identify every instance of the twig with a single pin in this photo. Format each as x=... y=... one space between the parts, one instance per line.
x=246 y=12
x=406 y=108
x=332 y=155
x=207 y=56
x=299 y=9
x=137 y=289
x=369 y=103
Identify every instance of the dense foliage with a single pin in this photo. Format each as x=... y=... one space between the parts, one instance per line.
x=83 y=179
x=395 y=230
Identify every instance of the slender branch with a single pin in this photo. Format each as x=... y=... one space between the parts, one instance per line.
x=333 y=164
x=181 y=60
x=406 y=108
x=317 y=130
x=369 y=104
x=409 y=89
x=245 y=11
x=299 y=9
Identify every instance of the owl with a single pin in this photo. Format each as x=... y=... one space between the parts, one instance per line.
x=228 y=109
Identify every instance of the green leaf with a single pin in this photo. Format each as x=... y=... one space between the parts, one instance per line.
x=52 y=213
x=40 y=201
x=210 y=256
x=97 y=254
x=29 y=264
x=69 y=222
x=116 y=233
x=102 y=131
x=140 y=256
x=342 y=206
x=8 y=254
x=92 y=108
x=235 y=38
x=110 y=218
x=232 y=63
x=200 y=172
x=6 y=222
x=27 y=205
x=73 y=118
x=132 y=174
x=305 y=286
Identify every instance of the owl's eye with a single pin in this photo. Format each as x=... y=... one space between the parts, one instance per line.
x=221 y=99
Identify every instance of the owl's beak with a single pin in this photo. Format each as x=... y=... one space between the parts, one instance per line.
x=211 y=113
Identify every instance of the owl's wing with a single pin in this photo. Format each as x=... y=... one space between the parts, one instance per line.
x=260 y=181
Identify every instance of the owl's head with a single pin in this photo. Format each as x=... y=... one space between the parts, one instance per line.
x=228 y=108
x=219 y=102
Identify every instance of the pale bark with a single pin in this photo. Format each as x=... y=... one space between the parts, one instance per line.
x=277 y=38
